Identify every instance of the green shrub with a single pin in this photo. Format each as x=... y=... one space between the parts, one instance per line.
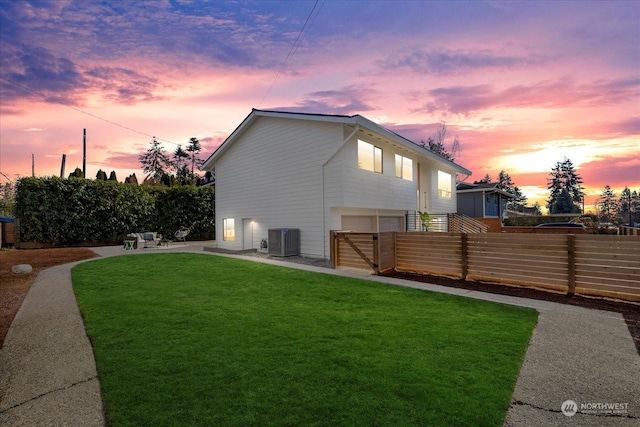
x=72 y=211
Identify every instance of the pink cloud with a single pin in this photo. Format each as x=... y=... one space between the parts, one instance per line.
x=616 y=172
x=456 y=62
x=560 y=93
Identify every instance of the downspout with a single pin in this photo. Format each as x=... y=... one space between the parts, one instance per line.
x=324 y=222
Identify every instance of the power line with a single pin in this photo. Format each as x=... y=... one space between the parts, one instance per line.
x=292 y=51
x=50 y=99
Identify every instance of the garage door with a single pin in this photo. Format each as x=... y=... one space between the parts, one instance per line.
x=391 y=223
x=363 y=224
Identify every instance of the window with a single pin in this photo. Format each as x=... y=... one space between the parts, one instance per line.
x=404 y=167
x=369 y=157
x=228 y=230
x=444 y=184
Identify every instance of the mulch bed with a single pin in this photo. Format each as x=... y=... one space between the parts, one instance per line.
x=630 y=311
x=14 y=287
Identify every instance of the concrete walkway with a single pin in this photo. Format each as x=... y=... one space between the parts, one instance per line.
x=48 y=374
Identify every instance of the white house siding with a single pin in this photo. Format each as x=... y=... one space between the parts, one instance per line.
x=272 y=174
x=291 y=171
x=424 y=185
x=391 y=223
x=366 y=189
x=441 y=205
x=351 y=192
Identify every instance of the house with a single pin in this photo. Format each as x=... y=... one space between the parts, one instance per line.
x=485 y=202
x=318 y=173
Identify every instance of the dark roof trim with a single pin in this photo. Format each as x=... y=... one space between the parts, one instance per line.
x=464 y=187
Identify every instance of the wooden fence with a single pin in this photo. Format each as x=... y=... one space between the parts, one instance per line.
x=599 y=265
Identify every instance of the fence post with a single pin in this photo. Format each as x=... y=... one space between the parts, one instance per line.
x=464 y=255
x=395 y=250
x=376 y=254
x=332 y=249
x=571 y=264
x=18 y=235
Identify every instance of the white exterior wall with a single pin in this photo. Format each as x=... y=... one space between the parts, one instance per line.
x=297 y=173
x=352 y=191
x=437 y=204
x=349 y=186
x=273 y=174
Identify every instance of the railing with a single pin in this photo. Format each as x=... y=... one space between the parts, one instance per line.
x=625 y=230
x=438 y=223
x=452 y=223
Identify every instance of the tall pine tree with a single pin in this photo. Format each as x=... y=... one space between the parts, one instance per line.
x=194 y=149
x=565 y=188
x=607 y=204
x=154 y=162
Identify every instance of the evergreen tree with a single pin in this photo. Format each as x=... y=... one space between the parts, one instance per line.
x=154 y=162
x=184 y=176
x=131 y=179
x=7 y=199
x=101 y=175
x=113 y=177
x=519 y=200
x=635 y=207
x=564 y=203
x=179 y=155
x=169 y=180
x=565 y=189
x=628 y=206
x=607 y=204
x=506 y=184
x=194 y=149
x=77 y=173
x=537 y=209
x=504 y=181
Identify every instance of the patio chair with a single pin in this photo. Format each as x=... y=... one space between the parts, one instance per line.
x=151 y=239
x=182 y=233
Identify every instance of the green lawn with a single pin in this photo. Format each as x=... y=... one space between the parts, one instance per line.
x=202 y=340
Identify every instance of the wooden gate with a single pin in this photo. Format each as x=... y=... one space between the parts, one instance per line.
x=366 y=251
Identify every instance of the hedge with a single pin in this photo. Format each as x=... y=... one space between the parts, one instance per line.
x=74 y=211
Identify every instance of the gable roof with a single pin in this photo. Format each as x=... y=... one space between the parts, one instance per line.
x=484 y=187
x=355 y=120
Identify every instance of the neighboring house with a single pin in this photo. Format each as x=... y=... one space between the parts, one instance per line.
x=484 y=202
x=318 y=173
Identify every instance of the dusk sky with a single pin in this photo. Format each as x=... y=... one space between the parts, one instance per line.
x=522 y=84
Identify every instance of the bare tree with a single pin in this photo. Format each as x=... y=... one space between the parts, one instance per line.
x=438 y=144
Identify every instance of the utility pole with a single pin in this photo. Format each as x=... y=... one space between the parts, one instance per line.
x=629 y=198
x=33 y=166
x=64 y=159
x=84 y=152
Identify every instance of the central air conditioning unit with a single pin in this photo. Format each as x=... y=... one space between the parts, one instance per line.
x=284 y=241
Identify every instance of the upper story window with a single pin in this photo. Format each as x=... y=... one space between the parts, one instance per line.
x=404 y=167
x=369 y=157
x=444 y=184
